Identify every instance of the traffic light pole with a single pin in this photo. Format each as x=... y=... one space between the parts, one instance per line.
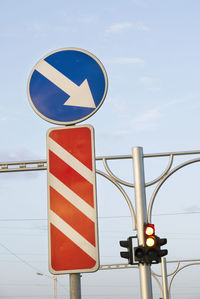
x=164 y=278
x=141 y=218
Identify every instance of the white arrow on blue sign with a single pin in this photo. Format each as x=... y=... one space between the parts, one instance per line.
x=67 y=86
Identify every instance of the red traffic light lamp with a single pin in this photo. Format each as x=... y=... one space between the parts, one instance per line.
x=149 y=230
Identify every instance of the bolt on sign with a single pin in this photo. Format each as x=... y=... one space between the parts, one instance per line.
x=72 y=208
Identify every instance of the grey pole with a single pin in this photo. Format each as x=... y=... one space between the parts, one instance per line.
x=164 y=278
x=75 y=285
x=54 y=283
x=141 y=217
x=55 y=286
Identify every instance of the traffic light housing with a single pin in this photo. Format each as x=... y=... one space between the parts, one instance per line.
x=161 y=242
x=151 y=252
x=129 y=253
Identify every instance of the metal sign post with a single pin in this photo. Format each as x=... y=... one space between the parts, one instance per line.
x=75 y=285
x=141 y=218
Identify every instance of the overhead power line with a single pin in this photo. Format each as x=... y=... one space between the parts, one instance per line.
x=104 y=217
x=19 y=258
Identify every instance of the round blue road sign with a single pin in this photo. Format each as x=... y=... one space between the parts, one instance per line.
x=67 y=86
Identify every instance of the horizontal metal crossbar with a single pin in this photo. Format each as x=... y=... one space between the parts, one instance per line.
x=42 y=164
x=127 y=266
x=151 y=155
x=23 y=166
x=116 y=266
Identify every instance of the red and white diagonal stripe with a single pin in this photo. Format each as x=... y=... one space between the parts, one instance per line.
x=72 y=208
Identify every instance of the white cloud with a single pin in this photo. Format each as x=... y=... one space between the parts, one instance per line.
x=147 y=121
x=19 y=154
x=115 y=28
x=119 y=27
x=140 y=3
x=146 y=80
x=120 y=107
x=37 y=30
x=87 y=19
x=126 y=60
x=113 y=136
x=142 y=27
x=151 y=119
x=150 y=83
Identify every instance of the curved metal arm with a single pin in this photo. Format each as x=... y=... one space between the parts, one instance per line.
x=174 y=270
x=114 y=177
x=170 y=274
x=192 y=264
x=159 y=284
x=124 y=194
x=133 y=185
x=171 y=159
x=162 y=182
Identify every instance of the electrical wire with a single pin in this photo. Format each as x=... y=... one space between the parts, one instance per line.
x=19 y=258
x=104 y=217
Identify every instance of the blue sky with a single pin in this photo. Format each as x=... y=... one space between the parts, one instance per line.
x=150 y=50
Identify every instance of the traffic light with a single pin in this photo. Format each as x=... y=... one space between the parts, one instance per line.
x=151 y=252
x=161 y=242
x=129 y=253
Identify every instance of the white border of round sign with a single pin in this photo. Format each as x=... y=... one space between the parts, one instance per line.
x=79 y=120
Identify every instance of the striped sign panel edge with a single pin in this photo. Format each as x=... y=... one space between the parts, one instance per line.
x=72 y=207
